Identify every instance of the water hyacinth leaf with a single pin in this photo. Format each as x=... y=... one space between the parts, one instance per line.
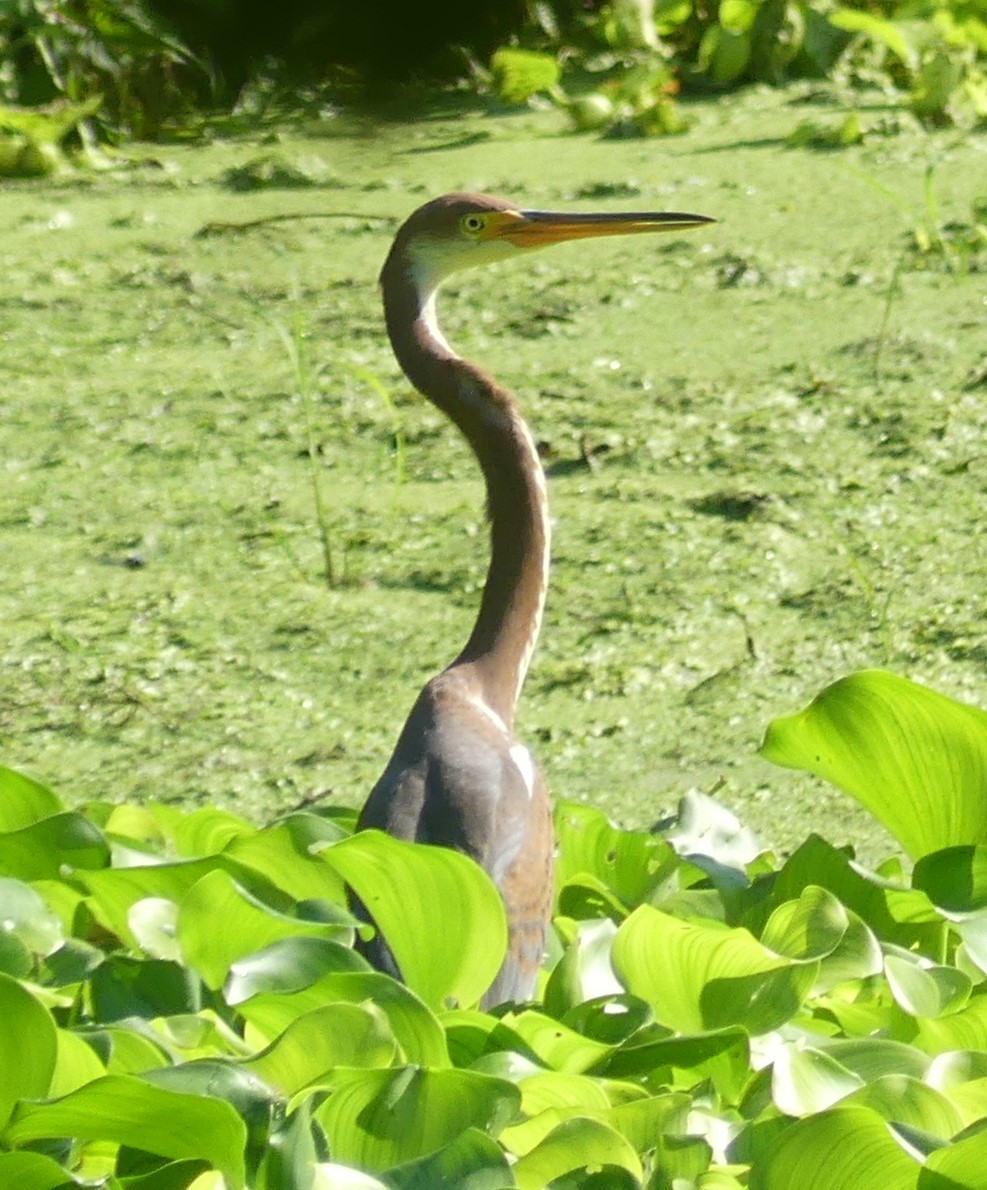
x=903 y=1100
x=28 y=1047
x=845 y=1148
x=579 y=1143
x=671 y=963
x=805 y=1080
x=287 y=854
x=408 y=888
x=759 y=1002
x=584 y=972
x=76 y=1063
x=926 y=991
x=963 y=1164
x=291 y=1155
x=206 y=831
x=557 y=1046
x=32 y=1171
x=916 y=759
x=630 y=864
x=45 y=849
x=288 y=965
x=871 y=1058
x=963 y=1030
x=955 y=878
x=123 y=987
x=129 y=1111
x=23 y=801
x=377 y=1119
x=153 y=921
x=247 y=925
x=610 y=1019
x=810 y=928
x=28 y=928
x=414 y=1026
x=473 y=1161
x=338 y=1035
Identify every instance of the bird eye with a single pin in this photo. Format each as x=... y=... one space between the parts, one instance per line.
x=473 y=223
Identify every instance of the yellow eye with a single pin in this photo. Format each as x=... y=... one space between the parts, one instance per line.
x=473 y=224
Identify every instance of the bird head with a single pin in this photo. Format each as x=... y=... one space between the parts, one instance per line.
x=461 y=231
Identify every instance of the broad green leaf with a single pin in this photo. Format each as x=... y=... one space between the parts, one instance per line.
x=340 y=1034
x=689 y=973
x=871 y=1058
x=28 y=1047
x=207 y=831
x=473 y=1161
x=557 y=1046
x=576 y=1144
x=46 y=849
x=415 y=1027
x=248 y=924
x=153 y=921
x=903 y=1100
x=132 y=1112
x=631 y=864
x=890 y=33
x=409 y=890
x=927 y=991
x=25 y=917
x=806 y=1080
x=76 y=1064
x=32 y=1171
x=287 y=854
x=963 y=1163
x=123 y=987
x=916 y=759
x=24 y=802
x=123 y=1049
x=114 y=890
x=584 y=972
x=376 y=1119
x=964 y=1030
x=810 y=928
x=291 y=1155
x=845 y=1148
x=288 y=965
x=955 y=878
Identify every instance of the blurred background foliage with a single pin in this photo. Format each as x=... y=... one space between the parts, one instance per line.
x=102 y=70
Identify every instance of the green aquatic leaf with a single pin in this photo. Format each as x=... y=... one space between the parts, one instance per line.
x=805 y=1080
x=47 y=849
x=629 y=864
x=916 y=759
x=473 y=1161
x=339 y=1034
x=130 y=1111
x=24 y=802
x=32 y=1171
x=926 y=990
x=408 y=889
x=697 y=977
x=908 y=1101
x=377 y=1119
x=579 y=1143
x=845 y=1148
x=288 y=965
x=414 y=1026
x=220 y=921
x=28 y=1047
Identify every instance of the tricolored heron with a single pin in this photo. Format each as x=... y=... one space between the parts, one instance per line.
x=458 y=776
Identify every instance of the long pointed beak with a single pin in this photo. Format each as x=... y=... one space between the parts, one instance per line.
x=538 y=229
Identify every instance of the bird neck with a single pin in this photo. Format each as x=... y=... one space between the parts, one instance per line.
x=500 y=646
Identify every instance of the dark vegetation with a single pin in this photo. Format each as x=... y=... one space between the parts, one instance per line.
x=148 y=65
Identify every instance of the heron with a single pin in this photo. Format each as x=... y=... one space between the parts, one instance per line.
x=458 y=776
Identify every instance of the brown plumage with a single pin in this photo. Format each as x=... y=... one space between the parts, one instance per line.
x=458 y=776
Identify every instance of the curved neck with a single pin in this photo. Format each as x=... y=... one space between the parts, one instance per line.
x=503 y=638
